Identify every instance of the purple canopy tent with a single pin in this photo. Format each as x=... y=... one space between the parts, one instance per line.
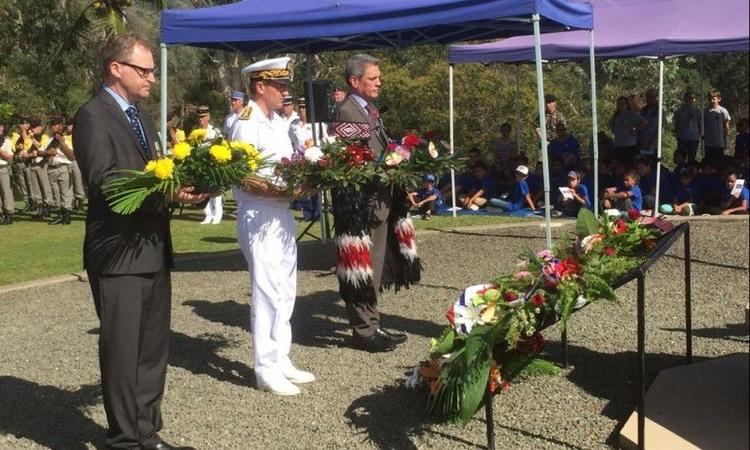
x=628 y=28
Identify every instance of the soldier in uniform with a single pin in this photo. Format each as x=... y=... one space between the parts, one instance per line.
x=554 y=118
x=36 y=157
x=214 y=209
x=288 y=114
x=59 y=162
x=21 y=142
x=7 y=202
x=76 y=179
x=266 y=230
x=237 y=102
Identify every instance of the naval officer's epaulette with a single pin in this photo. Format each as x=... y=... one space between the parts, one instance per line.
x=245 y=113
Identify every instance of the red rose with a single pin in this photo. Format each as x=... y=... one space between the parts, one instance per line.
x=510 y=296
x=391 y=147
x=537 y=299
x=368 y=155
x=410 y=140
x=609 y=251
x=634 y=214
x=430 y=136
x=569 y=267
x=620 y=226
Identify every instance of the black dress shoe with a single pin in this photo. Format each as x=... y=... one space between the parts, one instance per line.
x=374 y=344
x=396 y=338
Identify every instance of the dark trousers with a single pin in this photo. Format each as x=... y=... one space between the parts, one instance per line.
x=690 y=147
x=428 y=206
x=713 y=154
x=134 y=313
x=363 y=315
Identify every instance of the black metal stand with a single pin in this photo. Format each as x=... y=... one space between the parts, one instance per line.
x=325 y=208
x=638 y=274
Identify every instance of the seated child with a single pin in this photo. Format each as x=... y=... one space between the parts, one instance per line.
x=684 y=195
x=427 y=200
x=570 y=206
x=482 y=188
x=628 y=198
x=734 y=202
x=519 y=197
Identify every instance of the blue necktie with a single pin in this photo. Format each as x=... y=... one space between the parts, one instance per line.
x=132 y=114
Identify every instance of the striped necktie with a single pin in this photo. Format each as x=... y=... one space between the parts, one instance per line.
x=132 y=114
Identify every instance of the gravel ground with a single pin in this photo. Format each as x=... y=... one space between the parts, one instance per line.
x=49 y=384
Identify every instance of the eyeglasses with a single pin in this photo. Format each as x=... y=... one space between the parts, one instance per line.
x=143 y=72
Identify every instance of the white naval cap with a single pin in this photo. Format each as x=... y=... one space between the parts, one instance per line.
x=274 y=69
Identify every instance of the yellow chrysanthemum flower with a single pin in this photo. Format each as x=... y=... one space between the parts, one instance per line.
x=220 y=153
x=164 y=168
x=248 y=149
x=150 y=166
x=181 y=151
x=252 y=163
x=197 y=135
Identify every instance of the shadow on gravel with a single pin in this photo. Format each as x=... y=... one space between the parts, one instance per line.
x=319 y=319
x=731 y=332
x=199 y=355
x=48 y=415
x=613 y=376
x=391 y=417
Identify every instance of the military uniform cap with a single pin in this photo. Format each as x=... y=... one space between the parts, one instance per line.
x=238 y=95
x=274 y=69
x=302 y=102
x=203 y=110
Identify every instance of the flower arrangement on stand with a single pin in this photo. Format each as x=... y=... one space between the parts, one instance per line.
x=494 y=333
x=211 y=166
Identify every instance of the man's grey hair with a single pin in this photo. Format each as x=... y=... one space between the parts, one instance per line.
x=355 y=66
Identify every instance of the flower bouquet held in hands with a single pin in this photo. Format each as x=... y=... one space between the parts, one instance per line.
x=494 y=336
x=208 y=166
x=404 y=164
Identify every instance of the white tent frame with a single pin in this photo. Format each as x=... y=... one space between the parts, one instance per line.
x=542 y=126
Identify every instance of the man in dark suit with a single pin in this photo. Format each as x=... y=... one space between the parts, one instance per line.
x=128 y=257
x=362 y=74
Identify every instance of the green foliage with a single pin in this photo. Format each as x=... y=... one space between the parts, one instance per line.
x=586 y=224
x=527 y=366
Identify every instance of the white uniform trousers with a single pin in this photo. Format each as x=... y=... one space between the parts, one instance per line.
x=266 y=234
x=214 y=209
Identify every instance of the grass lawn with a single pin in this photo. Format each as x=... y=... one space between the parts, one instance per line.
x=32 y=249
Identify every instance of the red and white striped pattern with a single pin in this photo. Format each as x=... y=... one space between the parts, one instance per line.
x=404 y=231
x=354 y=265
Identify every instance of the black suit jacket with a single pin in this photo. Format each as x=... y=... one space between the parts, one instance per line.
x=350 y=110
x=115 y=243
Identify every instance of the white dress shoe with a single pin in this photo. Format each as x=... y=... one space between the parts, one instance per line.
x=278 y=385
x=297 y=376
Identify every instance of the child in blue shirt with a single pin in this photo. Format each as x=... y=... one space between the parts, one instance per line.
x=482 y=188
x=684 y=195
x=570 y=207
x=734 y=204
x=428 y=199
x=628 y=198
x=519 y=197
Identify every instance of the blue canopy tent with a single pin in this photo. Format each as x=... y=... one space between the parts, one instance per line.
x=310 y=26
x=664 y=28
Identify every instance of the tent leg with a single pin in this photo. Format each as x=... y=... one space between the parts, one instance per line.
x=163 y=98
x=518 y=111
x=450 y=114
x=321 y=197
x=702 y=96
x=655 y=209
x=543 y=127
x=594 y=123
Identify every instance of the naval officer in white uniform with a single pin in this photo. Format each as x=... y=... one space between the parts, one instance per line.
x=266 y=230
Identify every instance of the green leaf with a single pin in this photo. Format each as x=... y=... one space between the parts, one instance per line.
x=586 y=224
x=444 y=344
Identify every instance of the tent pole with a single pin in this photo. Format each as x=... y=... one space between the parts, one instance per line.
x=543 y=127
x=163 y=98
x=450 y=128
x=702 y=96
x=658 y=136
x=321 y=196
x=594 y=122
x=518 y=111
